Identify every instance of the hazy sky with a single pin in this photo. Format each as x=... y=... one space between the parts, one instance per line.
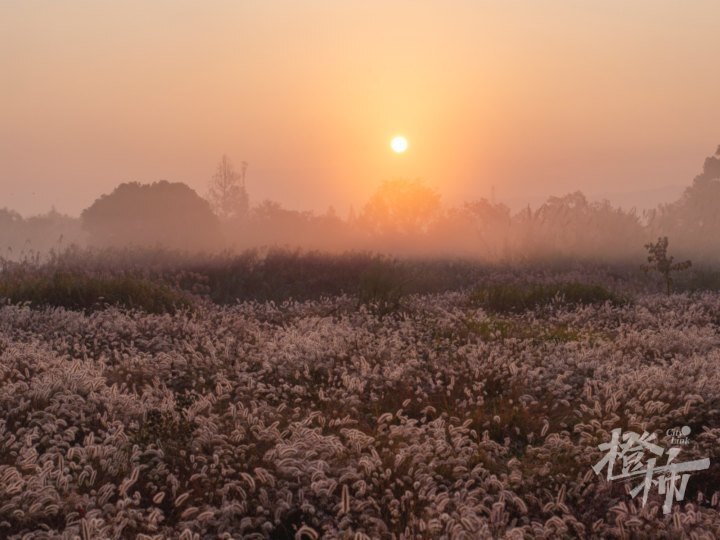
x=535 y=97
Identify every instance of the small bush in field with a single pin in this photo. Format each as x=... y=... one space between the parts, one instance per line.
x=514 y=298
x=76 y=290
x=659 y=261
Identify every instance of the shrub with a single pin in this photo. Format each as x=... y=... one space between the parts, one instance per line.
x=512 y=298
x=659 y=261
x=279 y=274
x=77 y=290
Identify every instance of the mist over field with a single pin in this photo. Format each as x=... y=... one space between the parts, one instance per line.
x=402 y=218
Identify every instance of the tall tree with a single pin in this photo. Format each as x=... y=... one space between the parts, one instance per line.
x=227 y=194
x=693 y=221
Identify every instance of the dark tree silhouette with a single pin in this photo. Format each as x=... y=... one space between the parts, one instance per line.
x=160 y=214
x=694 y=220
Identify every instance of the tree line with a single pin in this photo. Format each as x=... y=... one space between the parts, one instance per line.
x=404 y=217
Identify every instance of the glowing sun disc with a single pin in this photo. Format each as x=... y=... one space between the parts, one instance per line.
x=399 y=144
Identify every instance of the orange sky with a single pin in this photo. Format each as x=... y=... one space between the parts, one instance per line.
x=534 y=97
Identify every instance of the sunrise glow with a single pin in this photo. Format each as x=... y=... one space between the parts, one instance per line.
x=399 y=144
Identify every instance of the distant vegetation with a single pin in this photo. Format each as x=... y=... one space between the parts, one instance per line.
x=227 y=194
x=158 y=214
x=158 y=281
x=143 y=245
x=78 y=290
x=693 y=222
x=162 y=281
x=37 y=236
x=403 y=218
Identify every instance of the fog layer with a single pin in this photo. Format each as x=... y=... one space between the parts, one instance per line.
x=403 y=217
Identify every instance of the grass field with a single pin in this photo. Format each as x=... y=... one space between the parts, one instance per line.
x=384 y=411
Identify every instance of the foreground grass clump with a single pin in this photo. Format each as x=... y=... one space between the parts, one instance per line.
x=503 y=298
x=78 y=290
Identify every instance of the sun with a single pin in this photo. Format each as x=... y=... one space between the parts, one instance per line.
x=399 y=144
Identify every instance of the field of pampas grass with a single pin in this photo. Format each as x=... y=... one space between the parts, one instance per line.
x=322 y=419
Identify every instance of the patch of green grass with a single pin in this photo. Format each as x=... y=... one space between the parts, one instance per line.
x=503 y=298
x=77 y=290
x=492 y=328
x=499 y=329
x=561 y=333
